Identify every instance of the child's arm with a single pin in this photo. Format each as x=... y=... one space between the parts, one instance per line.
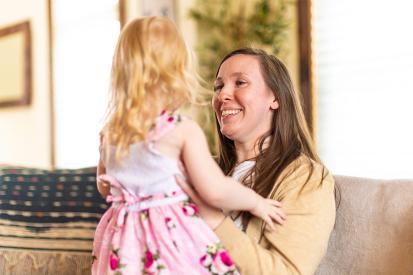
x=103 y=187
x=214 y=187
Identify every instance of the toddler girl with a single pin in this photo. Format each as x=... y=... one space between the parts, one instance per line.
x=152 y=227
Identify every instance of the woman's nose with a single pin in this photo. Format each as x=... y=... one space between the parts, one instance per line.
x=225 y=94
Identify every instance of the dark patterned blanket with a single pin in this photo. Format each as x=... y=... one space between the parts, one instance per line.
x=49 y=210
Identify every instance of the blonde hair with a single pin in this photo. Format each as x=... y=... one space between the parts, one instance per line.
x=151 y=72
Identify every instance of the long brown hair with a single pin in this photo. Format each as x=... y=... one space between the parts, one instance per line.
x=287 y=139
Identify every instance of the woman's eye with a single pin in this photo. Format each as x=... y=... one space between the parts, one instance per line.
x=240 y=82
x=217 y=87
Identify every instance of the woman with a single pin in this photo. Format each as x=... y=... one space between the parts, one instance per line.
x=264 y=141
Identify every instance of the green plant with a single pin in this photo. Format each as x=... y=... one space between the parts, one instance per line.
x=230 y=24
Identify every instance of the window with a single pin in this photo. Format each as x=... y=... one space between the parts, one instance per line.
x=85 y=35
x=363 y=52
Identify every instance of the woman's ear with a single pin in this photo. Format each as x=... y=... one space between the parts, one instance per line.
x=274 y=105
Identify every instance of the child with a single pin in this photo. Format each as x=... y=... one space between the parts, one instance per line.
x=151 y=226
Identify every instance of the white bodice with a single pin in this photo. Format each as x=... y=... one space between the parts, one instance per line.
x=144 y=171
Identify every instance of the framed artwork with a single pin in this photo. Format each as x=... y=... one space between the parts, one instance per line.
x=15 y=65
x=159 y=8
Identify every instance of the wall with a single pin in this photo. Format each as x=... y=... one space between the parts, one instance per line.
x=26 y=132
x=25 y=135
x=186 y=25
x=188 y=29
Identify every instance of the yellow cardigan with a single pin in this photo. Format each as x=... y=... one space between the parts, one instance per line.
x=298 y=246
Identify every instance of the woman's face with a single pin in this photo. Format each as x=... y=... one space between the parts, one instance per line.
x=243 y=103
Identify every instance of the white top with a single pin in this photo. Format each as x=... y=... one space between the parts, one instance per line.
x=239 y=172
x=144 y=171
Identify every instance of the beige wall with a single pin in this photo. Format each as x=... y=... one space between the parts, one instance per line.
x=25 y=131
x=186 y=25
x=25 y=136
x=188 y=28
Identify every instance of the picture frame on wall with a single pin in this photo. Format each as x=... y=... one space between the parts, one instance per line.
x=15 y=65
x=165 y=8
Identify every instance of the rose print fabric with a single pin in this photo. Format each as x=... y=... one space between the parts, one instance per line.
x=152 y=227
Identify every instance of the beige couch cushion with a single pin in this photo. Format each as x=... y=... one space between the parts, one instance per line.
x=373 y=233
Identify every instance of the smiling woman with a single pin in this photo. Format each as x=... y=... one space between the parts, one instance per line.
x=265 y=142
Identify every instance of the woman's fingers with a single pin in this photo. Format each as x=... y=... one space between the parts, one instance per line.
x=184 y=185
x=105 y=183
x=182 y=168
x=212 y=216
x=188 y=189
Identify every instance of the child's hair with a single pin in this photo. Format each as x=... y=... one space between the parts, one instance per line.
x=151 y=72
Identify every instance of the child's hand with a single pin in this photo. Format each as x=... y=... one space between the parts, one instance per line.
x=269 y=211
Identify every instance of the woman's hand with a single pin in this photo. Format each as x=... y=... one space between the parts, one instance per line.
x=211 y=215
x=102 y=185
x=103 y=188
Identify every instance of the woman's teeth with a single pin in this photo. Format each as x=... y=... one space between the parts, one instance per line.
x=229 y=112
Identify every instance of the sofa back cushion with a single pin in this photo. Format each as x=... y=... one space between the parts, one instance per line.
x=373 y=233
x=48 y=220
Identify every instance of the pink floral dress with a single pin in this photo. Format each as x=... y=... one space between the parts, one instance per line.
x=152 y=227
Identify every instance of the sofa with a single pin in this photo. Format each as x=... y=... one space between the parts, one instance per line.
x=373 y=233
x=47 y=221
